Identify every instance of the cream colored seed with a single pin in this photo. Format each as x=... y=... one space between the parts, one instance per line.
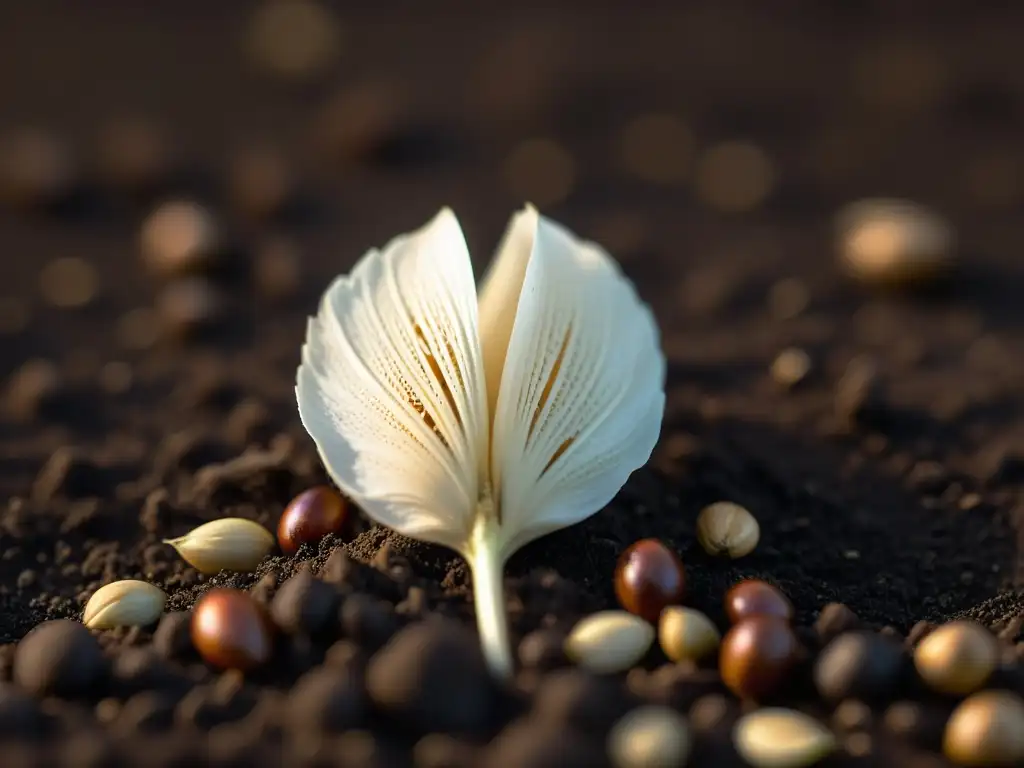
x=782 y=738
x=987 y=729
x=128 y=603
x=728 y=529
x=609 y=641
x=650 y=737
x=894 y=242
x=957 y=658
x=229 y=544
x=685 y=633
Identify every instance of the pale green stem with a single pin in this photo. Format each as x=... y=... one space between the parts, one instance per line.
x=485 y=560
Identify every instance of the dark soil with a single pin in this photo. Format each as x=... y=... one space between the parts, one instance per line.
x=900 y=500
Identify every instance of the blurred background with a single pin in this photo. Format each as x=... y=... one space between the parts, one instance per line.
x=196 y=171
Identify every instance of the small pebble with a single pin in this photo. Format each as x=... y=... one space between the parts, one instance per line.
x=657 y=148
x=957 y=658
x=734 y=176
x=758 y=655
x=648 y=577
x=650 y=737
x=782 y=738
x=894 y=243
x=540 y=170
x=987 y=729
x=753 y=597
x=405 y=677
x=609 y=641
x=861 y=665
x=69 y=282
x=687 y=634
x=181 y=237
x=59 y=658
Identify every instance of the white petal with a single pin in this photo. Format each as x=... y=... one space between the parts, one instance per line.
x=391 y=384
x=582 y=390
x=499 y=297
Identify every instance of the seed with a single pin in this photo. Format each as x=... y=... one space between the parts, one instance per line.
x=725 y=528
x=685 y=633
x=179 y=237
x=859 y=665
x=231 y=630
x=228 y=544
x=128 y=603
x=894 y=242
x=650 y=737
x=987 y=729
x=782 y=738
x=758 y=655
x=648 y=577
x=310 y=516
x=957 y=658
x=754 y=597
x=609 y=641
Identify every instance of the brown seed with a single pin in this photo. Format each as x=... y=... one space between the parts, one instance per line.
x=310 y=516
x=986 y=730
x=649 y=576
x=758 y=655
x=754 y=597
x=231 y=630
x=957 y=658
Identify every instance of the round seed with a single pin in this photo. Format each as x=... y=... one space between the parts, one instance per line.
x=754 y=597
x=987 y=729
x=894 y=242
x=310 y=516
x=648 y=577
x=728 y=529
x=957 y=658
x=231 y=630
x=228 y=544
x=128 y=603
x=685 y=633
x=782 y=738
x=860 y=665
x=650 y=737
x=609 y=641
x=758 y=655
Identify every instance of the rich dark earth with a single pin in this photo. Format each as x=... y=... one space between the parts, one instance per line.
x=124 y=424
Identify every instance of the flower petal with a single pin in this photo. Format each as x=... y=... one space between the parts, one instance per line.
x=499 y=297
x=391 y=384
x=582 y=389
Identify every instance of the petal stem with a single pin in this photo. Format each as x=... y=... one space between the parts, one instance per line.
x=485 y=560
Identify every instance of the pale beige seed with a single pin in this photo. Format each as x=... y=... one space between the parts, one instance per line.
x=782 y=738
x=791 y=367
x=894 y=242
x=685 y=633
x=609 y=641
x=727 y=529
x=128 y=603
x=228 y=544
x=650 y=737
x=987 y=729
x=957 y=658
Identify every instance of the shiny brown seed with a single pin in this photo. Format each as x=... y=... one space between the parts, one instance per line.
x=649 y=576
x=231 y=630
x=753 y=597
x=757 y=656
x=987 y=729
x=310 y=516
x=957 y=658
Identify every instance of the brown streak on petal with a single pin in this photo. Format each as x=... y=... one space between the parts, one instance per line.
x=549 y=385
x=558 y=454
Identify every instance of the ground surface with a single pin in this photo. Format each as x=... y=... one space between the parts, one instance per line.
x=905 y=509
